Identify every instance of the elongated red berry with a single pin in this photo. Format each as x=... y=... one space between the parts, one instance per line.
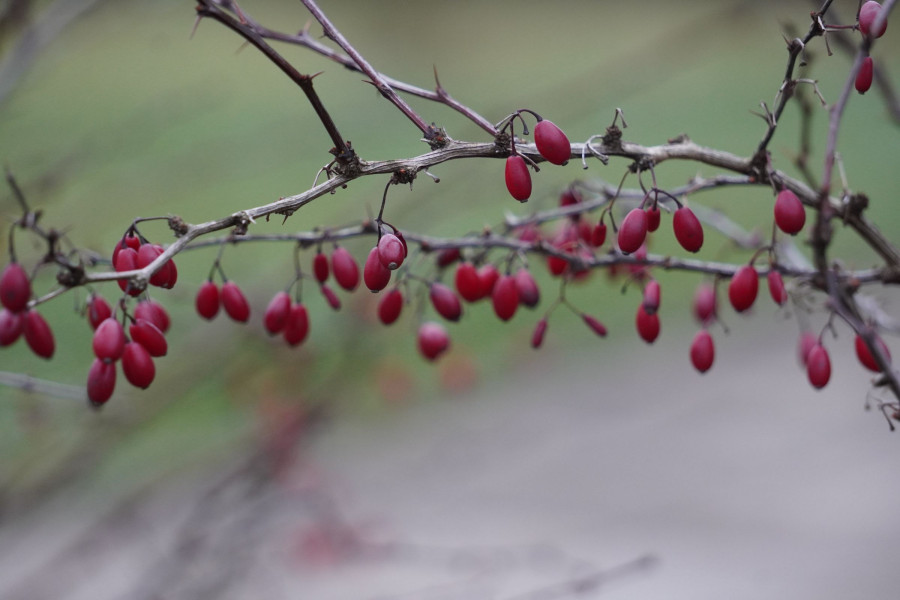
x=445 y=302
x=705 y=303
x=818 y=366
x=208 y=301
x=651 y=297
x=647 y=324
x=632 y=231
x=109 y=340
x=149 y=336
x=126 y=260
x=743 y=288
x=551 y=142
x=529 y=292
x=866 y=358
x=865 y=75
x=389 y=306
x=234 y=302
x=11 y=325
x=38 y=334
x=518 y=179
x=653 y=218
x=447 y=257
x=345 y=269
x=688 y=230
x=321 y=269
x=537 y=337
x=147 y=253
x=432 y=340
x=703 y=352
x=595 y=325
x=468 y=283
x=867 y=15
x=376 y=275
x=330 y=297
x=505 y=297
x=101 y=382
x=776 y=287
x=15 y=288
x=391 y=251
x=138 y=365
x=488 y=274
x=154 y=312
x=296 y=327
x=130 y=240
x=277 y=312
x=598 y=235
x=98 y=309
x=789 y=213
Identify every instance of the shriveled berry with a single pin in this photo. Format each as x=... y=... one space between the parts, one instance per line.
x=126 y=260
x=15 y=288
x=98 y=309
x=375 y=274
x=277 y=312
x=207 y=301
x=149 y=336
x=743 y=288
x=651 y=297
x=818 y=366
x=776 y=287
x=551 y=142
x=109 y=340
x=138 y=365
x=866 y=358
x=537 y=337
x=789 y=213
x=389 y=306
x=703 y=352
x=330 y=297
x=653 y=218
x=391 y=251
x=321 y=269
x=598 y=234
x=296 y=327
x=529 y=293
x=489 y=275
x=445 y=302
x=38 y=334
x=867 y=15
x=505 y=297
x=345 y=269
x=705 y=303
x=101 y=382
x=11 y=325
x=468 y=283
x=234 y=302
x=688 y=230
x=647 y=324
x=595 y=325
x=865 y=75
x=154 y=312
x=432 y=340
x=632 y=231
x=518 y=179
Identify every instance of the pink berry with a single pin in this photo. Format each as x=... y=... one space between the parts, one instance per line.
x=15 y=288
x=432 y=340
x=505 y=297
x=776 y=287
x=867 y=15
x=277 y=313
x=330 y=297
x=208 y=301
x=743 y=288
x=818 y=366
x=345 y=269
x=551 y=142
x=320 y=267
x=391 y=251
x=445 y=302
x=296 y=326
x=703 y=351
x=101 y=382
x=789 y=213
x=234 y=302
x=529 y=293
x=865 y=75
x=632 y=231
x=595 y=325
x=389 y=306
x=376 y=275
x=11 y=325
x=98 y=309
x=647 y=324
x=705 y=303
x=808 y=340
x=149 y=336
x=38 y=334
x=138 y=365
x=651 y=297
x=866 y=358
x=688 y=230
x=109 y=340
x=518 y=179
x=537 y=337
x=154 y=312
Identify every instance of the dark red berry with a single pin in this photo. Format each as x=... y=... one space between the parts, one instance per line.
x=818 y=366
x=375 y=274
x=632 y=231
x=537 y=337
x=447 y=257
x=98 y=309
x=866 y=358
x=11 y=325
x=688 y=230
x=15 y=288
x=149 y=336
x=570 y=196
x=867 y=15
x=126 y=260
x=109 y=340
x=330 y=297
x=389 y=306
x=101 y=382
x=208 y=302
x=468 y=283
x=505 y=297
x=551 y=142
x=320 y=267
x=705 y=303
x=789 y=213
x=776 y=287
x=653 y=218
x=432 y=340
x=38 y=334
x=703 y=352
x=598 y=235
x=743 y=288
x=138 y=365
x=529 y=293
x=277 y=312
x=345 y=269
x=518 y=179
x=296 y=327
x=234 y=302
x=595 y=325
x=489 y=275
x=651 y=297
x=647 y=324
x=865 y=75
x=391 y=251
x=445 y=302
x=154 y=312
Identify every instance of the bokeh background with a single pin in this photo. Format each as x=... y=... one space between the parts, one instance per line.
x=349 y=468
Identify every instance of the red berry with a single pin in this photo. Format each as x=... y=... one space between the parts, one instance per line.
x=432 y=340
x=647 y=324
x=529 y=293
x=296 y=327
x=330 y=297
x=15 y=288
x=447 y=257
x=468 y=283
x=551 y=142
x=807 y=341
x=163 y=277
x=703 y=351
x=866 y=358
x=598 y=235
x=126 y=260
x=489 y=275
x=632 y=231
x=38 y=334
x=130 y=240
x=11 y=325
x=101 y=382
x=818 y=366
x=154 y=312
x=149 y=336
x=389 y=306
x=320 y=267
x=653 y=218
x=208 y=301
x=346 y=271
x=234 y=302
x=776 y=287
x=705 y=303
x=391 y=251
x=537 y=338
x=595 y=325
x=109 y=340
x=518 y=179
x=789 y=213
x=688 y=230
x=445 y=302
x=98 y=309
x=743 y=288
x=505 y=297
x=569 y=196
x=138 y=365
x=865 y=75
x=651 y=297
x=867 y=15
x=375 y=274
x=277 y=312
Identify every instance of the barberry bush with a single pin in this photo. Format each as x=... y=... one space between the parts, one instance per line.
x=767 y=216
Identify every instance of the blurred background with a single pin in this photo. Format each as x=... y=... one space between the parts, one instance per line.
x=350 y=468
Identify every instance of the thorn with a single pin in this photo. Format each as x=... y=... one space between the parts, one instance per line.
x=194 y=28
